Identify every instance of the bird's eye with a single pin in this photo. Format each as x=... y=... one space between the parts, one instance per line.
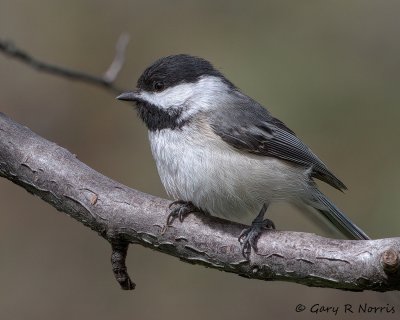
x=158 y=85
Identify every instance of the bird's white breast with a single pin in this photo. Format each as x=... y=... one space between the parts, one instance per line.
x=195 y=165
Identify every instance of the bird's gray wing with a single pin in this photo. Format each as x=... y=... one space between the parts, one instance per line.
x=247 y=126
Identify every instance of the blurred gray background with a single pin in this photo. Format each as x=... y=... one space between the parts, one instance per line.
x=328 y=69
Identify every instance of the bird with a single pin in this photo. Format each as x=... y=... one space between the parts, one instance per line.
x=220 y=152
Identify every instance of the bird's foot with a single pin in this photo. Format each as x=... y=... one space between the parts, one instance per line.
x=180 y=209
x=249 y=236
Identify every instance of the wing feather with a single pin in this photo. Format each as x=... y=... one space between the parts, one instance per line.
x=251 y=128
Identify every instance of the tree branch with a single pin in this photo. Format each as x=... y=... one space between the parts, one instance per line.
x=106 y=81
x=123 y=215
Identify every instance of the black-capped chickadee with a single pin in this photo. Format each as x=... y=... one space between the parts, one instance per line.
x=220 y=151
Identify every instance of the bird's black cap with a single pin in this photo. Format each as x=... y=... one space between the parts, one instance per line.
x=175 y=69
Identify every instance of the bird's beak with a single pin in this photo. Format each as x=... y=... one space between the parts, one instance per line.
x=129 y=96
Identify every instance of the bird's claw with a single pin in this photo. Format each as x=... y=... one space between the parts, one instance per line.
x=249 y=236
x=180 y=209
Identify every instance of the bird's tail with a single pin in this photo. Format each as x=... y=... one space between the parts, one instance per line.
x=336 y=217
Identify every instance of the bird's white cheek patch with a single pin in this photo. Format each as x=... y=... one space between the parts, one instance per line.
x=171 y=97
x=181 y=94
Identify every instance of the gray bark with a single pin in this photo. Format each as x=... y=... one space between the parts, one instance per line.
x=123 y=215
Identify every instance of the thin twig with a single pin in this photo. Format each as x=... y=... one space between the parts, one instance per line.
x=118 y=257
x=115 y=67
x=106 y=81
